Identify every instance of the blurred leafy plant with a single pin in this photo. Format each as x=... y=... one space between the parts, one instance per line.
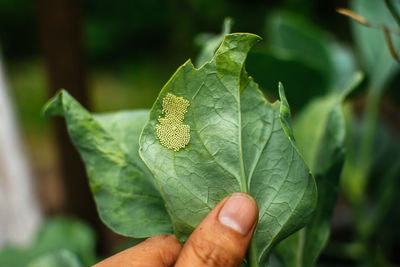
x=380 y=67
x=375 y=25
x=59 y=242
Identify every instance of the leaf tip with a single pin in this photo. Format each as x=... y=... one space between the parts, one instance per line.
x=352 y=83
x=281 y=91
x=285 y=115
x=54 y=106
x=247 y=40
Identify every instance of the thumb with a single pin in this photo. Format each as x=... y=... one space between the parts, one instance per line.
x=222 y=238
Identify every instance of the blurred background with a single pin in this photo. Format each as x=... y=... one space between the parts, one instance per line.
x=114 y=55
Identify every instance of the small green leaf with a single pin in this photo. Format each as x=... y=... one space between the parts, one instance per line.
x=238 y=142
x=127 y=199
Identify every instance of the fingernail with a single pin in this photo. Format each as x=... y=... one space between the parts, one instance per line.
x=239 y=213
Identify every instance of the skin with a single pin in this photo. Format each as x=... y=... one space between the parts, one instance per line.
x=221 y=239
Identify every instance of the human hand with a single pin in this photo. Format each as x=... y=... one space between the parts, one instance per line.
x=221 y=239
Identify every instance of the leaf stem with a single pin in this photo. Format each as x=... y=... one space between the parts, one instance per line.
x=252 y=254
x=300 y=251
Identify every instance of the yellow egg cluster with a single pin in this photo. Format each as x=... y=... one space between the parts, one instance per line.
x=171 y=131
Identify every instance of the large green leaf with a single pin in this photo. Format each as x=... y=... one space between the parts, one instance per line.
x=320 y=133
x=61 y=258
x=238 y=142
x=126 y=197
x=56 y=234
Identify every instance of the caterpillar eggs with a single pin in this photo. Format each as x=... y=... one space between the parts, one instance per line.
x=171 y=131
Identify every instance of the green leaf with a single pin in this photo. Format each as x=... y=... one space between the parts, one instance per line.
x=295 y=34
x=300 y=37
x=381 y=68
x=306 y=58
x=238 y=142
x=126 y=197
x=56 y=234
x=320 y=133
x=61 y=258
x=371 y=44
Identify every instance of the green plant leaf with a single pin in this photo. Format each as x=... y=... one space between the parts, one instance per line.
x=371 y=44
x=320 y=133
x=303 y=39
x=381 y=68
x=54 y=235
x=238 y=142
x=61 y=258
x=306 y=58
x=126 y=197
x=295 y=34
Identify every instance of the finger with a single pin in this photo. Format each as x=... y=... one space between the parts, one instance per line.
x=157 y=251
x=222 y=238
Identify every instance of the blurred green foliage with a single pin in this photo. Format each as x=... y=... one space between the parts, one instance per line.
x=61 y=258
x=58 y=239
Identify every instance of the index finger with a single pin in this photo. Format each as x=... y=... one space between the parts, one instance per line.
x=157 y=251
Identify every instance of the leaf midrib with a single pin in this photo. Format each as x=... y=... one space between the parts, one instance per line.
x=261 y=152
x=242 y=170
